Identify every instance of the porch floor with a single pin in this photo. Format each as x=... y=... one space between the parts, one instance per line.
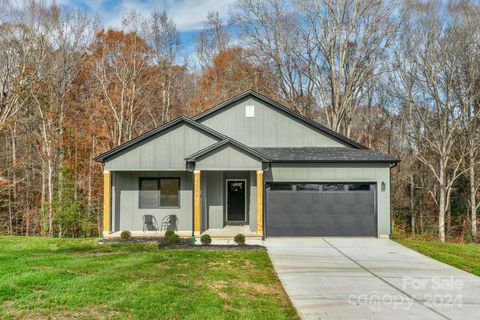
x=229 y=232
x=147 y=234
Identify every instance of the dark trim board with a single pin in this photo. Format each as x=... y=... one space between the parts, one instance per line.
x=335 y=161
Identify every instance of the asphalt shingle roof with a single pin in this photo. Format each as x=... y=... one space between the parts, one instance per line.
x=325 y=154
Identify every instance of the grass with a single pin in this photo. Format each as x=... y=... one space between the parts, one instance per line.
x=459 y=255
x=78 y=279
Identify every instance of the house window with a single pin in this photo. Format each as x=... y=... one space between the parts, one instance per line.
x=249 y=111
x=359 y=187
x=333 y=187
x=280 y=187
x=308 y=187
x=159 y=192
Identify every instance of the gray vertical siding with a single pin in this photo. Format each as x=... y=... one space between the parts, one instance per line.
x=215 y=191
x=126 y=212
x=252 y=214
x=216 y=196
x=204 y=197
x=128 y=216
x=164 y=151
x=268 y=128
x=228 y=158
x=377 y=173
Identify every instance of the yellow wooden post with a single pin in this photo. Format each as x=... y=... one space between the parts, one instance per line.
x=107 y=179
x=260 y=202
x=196 y=202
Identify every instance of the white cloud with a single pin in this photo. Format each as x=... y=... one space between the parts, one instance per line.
x=188 y=14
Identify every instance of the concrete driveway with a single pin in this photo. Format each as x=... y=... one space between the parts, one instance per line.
x=369 y=278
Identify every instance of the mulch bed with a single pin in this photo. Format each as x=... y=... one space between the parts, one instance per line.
x=212 y=247
x=136 y=240
x=184 y=244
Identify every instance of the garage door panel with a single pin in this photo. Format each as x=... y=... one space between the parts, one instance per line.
x=320 y=213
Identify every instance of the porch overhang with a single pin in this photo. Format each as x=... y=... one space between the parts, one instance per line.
x=227 y=155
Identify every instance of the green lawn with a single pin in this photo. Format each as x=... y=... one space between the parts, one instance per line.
x=76 y=278
x=460 y=255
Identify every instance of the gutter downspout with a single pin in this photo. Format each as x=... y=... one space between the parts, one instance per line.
x=193 y=198
x=264 y=197
x=392 y=165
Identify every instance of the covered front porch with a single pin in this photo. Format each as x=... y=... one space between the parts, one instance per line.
x=219 y=192
x=219 y=203
x=225 y=233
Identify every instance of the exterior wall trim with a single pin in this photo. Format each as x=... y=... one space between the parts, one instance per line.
x=107 y=200
x=260 y=201
x=196 y=202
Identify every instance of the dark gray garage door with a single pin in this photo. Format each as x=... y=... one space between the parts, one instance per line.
x=320 y=209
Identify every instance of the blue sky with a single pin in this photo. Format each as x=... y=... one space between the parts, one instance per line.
x=189 y=15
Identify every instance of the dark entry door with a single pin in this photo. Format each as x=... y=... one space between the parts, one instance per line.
x=321 y=209
x=236 y=201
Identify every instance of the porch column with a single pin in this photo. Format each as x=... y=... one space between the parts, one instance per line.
x=260 y=202
x=107 y=187
x=196 y=202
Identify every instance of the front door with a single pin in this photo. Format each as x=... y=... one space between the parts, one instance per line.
x=236 y=201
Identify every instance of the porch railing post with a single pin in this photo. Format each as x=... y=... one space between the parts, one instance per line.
x=107 y=188
x=260 y=202
x=196 y=202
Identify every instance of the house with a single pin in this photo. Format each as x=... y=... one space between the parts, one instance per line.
x=247 y=164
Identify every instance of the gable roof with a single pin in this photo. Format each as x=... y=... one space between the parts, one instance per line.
x=337 y=136
x=326 y=155
x=227 y=141
x=172 y=123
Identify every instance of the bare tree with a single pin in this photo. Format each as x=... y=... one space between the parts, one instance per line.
x=212 y=40
x=163 y=37
x=327 y=53
x=119 y=64
x=467 y=92
x=12 y=68
x=428 y=75
x=346 y=44
x=272 y=29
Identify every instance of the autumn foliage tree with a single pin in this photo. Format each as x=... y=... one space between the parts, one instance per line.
x=119 y=68
x=233 y=71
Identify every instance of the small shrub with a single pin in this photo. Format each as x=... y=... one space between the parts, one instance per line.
x=192 y=240
x=126 y=235
x=169 y=233
x=206 y=239
x=468 y=238
x=239 y=239
x=173 y=239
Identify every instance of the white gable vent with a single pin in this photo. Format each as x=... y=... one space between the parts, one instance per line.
x=249 y=111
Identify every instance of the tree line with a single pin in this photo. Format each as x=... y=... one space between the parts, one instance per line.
x=401 y=77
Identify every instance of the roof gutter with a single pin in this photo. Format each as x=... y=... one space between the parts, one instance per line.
x=394 y=162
